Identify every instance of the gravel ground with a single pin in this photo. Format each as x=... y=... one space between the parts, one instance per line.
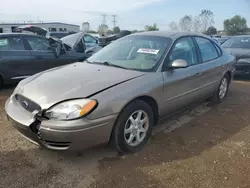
x=206 y=146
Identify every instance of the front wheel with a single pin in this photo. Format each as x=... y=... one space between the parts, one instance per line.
x=133 y=127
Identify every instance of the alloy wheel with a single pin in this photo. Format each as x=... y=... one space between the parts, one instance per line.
x=136 y=128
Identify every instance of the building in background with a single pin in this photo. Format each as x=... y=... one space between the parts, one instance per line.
x=48 y=26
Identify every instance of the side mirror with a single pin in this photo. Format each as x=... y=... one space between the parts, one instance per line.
x=179 y=63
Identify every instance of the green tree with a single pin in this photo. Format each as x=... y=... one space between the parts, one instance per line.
x=134 y=31
x=92 y=31
x=109 y=32
x=151 y=27
x=116 y=29
x=102 y=29
x=236 y=25
x=211 y=31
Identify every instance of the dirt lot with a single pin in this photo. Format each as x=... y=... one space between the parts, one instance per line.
x=203 y=147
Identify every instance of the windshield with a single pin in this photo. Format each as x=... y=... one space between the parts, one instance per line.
x=221 y=40
x=237 y=42
x=71 y=39
x=134 y=52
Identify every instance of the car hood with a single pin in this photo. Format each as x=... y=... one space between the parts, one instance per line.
x=78 y=80
x=238 y=52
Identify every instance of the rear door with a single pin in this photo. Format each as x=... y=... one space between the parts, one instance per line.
x=212 y=65
x=15 y=58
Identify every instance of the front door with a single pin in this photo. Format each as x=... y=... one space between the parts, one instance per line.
x=181 y=86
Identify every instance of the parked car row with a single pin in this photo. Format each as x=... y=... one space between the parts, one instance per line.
x=104 y=41
x=116 y=95
x=239 y=46
x=22 y=54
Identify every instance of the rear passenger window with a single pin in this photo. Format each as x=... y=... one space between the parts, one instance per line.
x=11 y=44
x=207 y=49
x=16 y=43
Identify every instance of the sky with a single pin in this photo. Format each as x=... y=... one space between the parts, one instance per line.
x=131 y=14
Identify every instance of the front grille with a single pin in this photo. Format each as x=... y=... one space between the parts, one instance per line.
x=56 y=145
x=27 y=104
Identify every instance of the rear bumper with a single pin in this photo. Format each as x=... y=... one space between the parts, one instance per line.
x=60 y=135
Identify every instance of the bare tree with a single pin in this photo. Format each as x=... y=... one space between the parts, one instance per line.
x=173 y=26
x=196 y=26
x=207 y=19
x=186 y=23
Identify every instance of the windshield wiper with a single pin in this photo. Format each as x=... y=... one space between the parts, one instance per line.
x=113 y=65
x=106 y=63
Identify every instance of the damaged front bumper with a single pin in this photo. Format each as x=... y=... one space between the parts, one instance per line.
x=59 y=135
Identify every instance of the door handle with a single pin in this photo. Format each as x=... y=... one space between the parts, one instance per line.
x=39 y=57
x=199 y=73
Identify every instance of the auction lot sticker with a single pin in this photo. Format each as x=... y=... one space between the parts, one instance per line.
x=3 y=42
x=148 y=51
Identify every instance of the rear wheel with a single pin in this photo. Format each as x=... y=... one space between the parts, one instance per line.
x=1 y=82
x=133 y=127
x=222 y=90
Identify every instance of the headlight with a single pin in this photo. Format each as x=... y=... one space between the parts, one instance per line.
x=72 y=109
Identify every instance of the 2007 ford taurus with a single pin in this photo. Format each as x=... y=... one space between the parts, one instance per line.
x=120 y=92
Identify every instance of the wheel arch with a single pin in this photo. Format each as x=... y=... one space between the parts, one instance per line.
x=229 y=74
x=147 y=99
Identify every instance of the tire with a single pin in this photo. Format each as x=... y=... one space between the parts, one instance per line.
x=124 y=142
x=1 y=82
x=222 y=91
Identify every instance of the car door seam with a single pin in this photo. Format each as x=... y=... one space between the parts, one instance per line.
x=190 y=91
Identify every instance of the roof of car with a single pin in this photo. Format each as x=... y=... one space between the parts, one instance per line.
x=15 y=34
x=241 y=36
x=170 y=34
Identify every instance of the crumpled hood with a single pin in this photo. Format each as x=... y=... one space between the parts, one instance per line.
x=76 y=80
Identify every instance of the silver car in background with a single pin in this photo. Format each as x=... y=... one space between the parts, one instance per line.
x=120 y=92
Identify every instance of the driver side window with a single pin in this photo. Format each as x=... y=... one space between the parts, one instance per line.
x=184 y=49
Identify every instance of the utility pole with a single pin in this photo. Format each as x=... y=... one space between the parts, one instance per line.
x=114 y=20
x=103 y=25
x=104 y=18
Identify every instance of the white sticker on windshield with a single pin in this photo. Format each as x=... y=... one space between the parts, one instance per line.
x=148 y=51
x=3 y=42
